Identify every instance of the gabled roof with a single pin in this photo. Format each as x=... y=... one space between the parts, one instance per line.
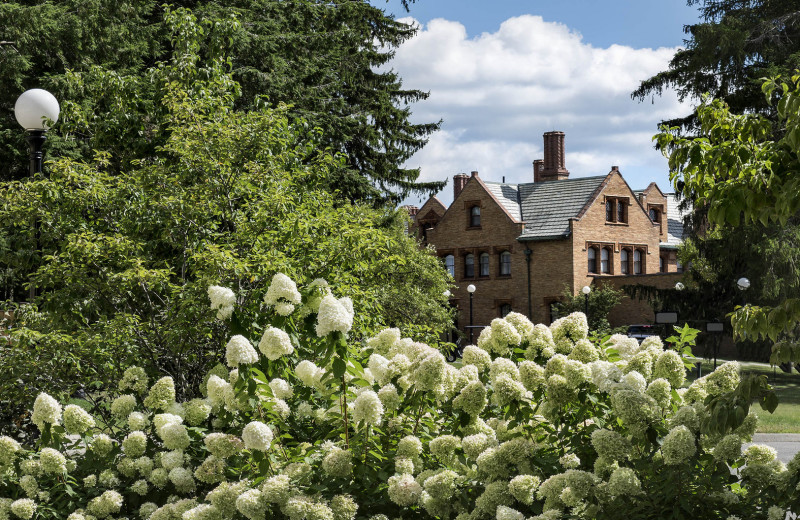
x=675 y=232
x=547 y=207
x=508 y=197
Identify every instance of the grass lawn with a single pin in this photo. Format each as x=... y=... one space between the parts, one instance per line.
x=786 y=418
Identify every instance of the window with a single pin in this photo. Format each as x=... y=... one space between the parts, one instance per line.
x=475 y=216
x=662 y=264
x=679 y=266
x=625 y=261
x=637 y=261
x=505 y=309
x=617 y=210
x=605 y=260
x=592 y=260
x=450 y=265
x=553 y=308
x=484 y=264
x=654 y=215
x=469 y=266
x=505 y=263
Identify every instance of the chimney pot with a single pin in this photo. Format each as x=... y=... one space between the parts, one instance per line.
x=538 y=164
x=474 y=173
x=554 y=160
x=459 y=181
x=615 y=168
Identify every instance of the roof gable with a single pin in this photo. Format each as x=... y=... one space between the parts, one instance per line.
x=547 y=207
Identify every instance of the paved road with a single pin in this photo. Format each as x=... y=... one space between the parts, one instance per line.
x=787 y=444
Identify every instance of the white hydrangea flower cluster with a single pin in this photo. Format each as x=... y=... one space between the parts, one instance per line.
x=46 y=410
x=282 y=294
x=275 y=343
x=239 y=351
x=223 y=300
x=335 y=315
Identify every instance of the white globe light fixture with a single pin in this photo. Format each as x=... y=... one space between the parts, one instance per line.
x=470 y=288
x=36 y=110
x=679 y=286
x=743 y=283
x=586 y=289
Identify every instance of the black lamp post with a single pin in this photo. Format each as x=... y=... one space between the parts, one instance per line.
x=36 y=110
x=471 y=291
x=586 y=290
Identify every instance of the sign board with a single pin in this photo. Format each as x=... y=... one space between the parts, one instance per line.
x=714 y=327
x=666 y=317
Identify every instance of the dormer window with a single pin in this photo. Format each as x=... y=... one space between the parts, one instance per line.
x=617 y=210
x=475 y=216
x=655 y=216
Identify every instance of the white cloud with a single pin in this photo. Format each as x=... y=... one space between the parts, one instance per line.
x=499 y=92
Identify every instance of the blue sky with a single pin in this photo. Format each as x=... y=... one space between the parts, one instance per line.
x=503 y=72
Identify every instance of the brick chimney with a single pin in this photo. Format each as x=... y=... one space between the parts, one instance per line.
x=554 y=168
x=412 y=211
x=459 y=181
x=538 y=164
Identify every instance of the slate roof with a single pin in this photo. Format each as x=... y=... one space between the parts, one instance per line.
x=508 y=196
x=548 y=206
x=675 y=233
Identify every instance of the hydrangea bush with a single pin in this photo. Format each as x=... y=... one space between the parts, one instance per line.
x=536 y=423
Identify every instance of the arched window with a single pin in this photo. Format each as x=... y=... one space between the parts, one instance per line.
x=637 y=261
x=450 y=265
x=505 y=309
x=592 y=260
x=484 y=264
x=475 y=216
x=505 y=263
x=469 y=266
x=605 y=260
x=624 y=262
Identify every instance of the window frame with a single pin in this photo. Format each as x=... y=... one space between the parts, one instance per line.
x=606 y=251
x=481 y=265
x=469 y=262
x=592 y=254
x=474 y=211
x=638 y=266
x=501 y=305
x=502 y=263
x=625 y=260
x=451 y=269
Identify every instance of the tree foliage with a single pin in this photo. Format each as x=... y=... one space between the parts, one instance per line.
x=326 y=60
x=749 y=180
x=601 y=302
x=726 y=55
x=122 y=258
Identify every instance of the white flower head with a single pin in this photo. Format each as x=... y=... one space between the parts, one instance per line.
x=222 y=301
x=46 y=410
x=282 y=289
x=240 y=351
x=334 y=315
x=367 y=408
x=275 y=343
x=257 y=436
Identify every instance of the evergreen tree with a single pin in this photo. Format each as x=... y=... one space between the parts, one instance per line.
x=326 y=59
x=736 y=43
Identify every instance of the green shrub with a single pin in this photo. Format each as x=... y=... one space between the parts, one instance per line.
x=305 y=424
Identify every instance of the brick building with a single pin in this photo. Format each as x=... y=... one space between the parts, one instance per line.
x=522 y=244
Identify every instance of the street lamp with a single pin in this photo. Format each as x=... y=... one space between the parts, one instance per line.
x=679 y=286
x=36 y=110
x=586 y=290
x=743 y=284
x=471 y=291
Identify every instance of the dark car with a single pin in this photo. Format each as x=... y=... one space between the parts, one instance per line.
x=642 y=331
